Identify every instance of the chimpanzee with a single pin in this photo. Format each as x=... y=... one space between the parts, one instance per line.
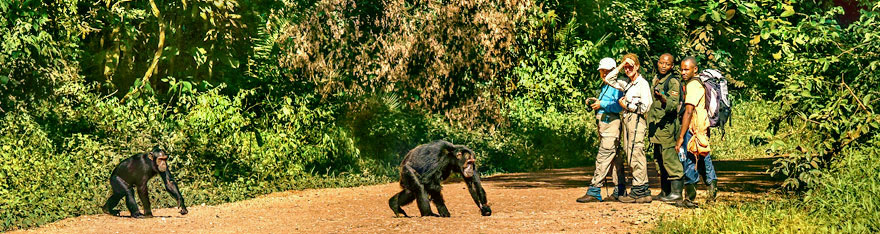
x=136 y=171
x=425 y=166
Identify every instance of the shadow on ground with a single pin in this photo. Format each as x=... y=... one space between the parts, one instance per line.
x=733 y=176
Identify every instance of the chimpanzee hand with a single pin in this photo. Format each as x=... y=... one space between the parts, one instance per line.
x=184 y=211
x=485 y=210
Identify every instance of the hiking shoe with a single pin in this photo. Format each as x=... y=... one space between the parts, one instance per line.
x=630 y=199
x=611 y=198
x=587 y=198
x=594 y=194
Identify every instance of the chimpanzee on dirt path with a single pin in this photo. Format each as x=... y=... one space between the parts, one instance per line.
x=425 y=166
x=136 y=171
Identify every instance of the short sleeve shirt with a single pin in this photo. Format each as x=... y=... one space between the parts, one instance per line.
x=695 y=95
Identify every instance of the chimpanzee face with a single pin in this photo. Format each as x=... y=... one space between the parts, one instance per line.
x=161 y=159
x=466 y=162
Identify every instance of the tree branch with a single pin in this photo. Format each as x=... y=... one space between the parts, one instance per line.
x=158 y=54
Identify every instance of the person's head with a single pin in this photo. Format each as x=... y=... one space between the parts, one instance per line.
x=605 y=66
x=688 y=68
x=632 y=71
x=664 y=65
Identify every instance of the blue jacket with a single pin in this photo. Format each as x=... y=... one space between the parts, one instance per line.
x=608 y=100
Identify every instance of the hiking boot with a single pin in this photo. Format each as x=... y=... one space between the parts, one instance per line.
x=713 y=192
x=674 y=192
x=594 y=194
x=691 y=194
x=631 y=199
x=686 y=204
x=612 y=198
x=587 y=198
x=664 y=189
x=660 y=196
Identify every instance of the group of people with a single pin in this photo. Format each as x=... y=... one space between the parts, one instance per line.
x=671 y=112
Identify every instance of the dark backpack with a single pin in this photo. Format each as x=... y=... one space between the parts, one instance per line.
x=717 y=101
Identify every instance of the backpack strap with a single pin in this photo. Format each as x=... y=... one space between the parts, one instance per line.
x=666 y=83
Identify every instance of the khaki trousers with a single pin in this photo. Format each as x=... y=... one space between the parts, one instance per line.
x=607 y=158
x=634 y=131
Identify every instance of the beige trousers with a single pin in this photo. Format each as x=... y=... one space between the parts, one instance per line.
x=607 y=158
x=634 y=130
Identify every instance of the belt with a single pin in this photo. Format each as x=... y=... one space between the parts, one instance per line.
x=607 y=116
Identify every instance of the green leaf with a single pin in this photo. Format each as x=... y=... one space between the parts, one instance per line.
x=789 y=11
x=4 y=79
x=729 y=14
x=755 y=40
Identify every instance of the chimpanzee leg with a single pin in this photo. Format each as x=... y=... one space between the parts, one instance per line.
x=132 y=204
x=401 y=199
x=118 y=187
x=144 y=194
x=419 y=190
x=439 y=202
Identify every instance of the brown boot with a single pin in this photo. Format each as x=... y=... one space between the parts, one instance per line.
x=611 y=198
x=587 y=198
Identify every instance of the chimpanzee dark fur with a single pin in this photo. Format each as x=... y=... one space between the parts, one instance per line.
x=425 y=167
x=135 y=172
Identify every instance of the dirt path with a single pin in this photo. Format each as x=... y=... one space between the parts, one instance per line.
x=540 y=202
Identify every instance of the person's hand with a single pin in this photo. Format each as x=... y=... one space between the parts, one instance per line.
x=660 y=97
x=595 y=106
x=678 y=144
x=622 y=102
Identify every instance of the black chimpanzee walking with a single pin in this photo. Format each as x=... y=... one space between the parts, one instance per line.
x=425 y=166
x=136 y=171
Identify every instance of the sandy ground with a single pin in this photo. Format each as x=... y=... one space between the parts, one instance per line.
x=540 y=202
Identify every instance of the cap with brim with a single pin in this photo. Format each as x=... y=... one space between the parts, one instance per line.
x=607 y=63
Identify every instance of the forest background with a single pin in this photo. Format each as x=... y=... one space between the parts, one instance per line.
x=254 y=97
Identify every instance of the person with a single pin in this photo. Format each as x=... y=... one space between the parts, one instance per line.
x=663 y=126
x=635 y=103
x=693 y=138
x=608 y=119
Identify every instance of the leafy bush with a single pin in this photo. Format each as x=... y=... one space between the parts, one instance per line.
x=846 y=201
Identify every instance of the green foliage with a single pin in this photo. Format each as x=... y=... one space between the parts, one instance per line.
x=215 y=157
x=847 y=196
x=785 y=216
x=747 y=136
x=828 y=91
x=846 y=202
x=38 y=50
x=252 y=97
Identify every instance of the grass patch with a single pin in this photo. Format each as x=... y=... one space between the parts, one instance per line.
x=747 y=136
x=785 y=216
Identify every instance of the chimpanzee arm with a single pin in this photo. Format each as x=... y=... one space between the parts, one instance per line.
x=171 y=187
x=477 y=193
